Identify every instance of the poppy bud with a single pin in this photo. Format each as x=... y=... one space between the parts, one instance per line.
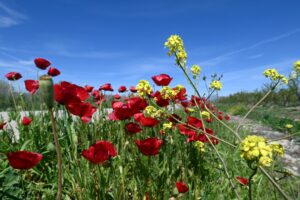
x=47 y=90
x=50 y=147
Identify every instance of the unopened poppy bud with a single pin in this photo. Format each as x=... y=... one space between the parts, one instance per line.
x=50 y=147
x=74 y=138
x=47 y=90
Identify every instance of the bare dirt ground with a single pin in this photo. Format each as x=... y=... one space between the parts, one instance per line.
x=291 y=157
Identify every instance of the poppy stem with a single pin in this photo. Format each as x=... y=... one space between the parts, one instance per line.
x=13 y=97
x=58 y=153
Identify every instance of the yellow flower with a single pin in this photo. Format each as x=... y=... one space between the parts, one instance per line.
x=168 y=93
x=143 y=88
x=176 y=47
x=255 y=149
x=153 y=112
x=216 y=85
x=200 y=146
x=179 y=87
x=205 y=114
x=167 y=125
x=274 y=75
x=293 y=75
x=265 y=161
x=190 y=109
x=278 y=148
x=289 y=126
x=297 y=67
x=174 y=43
x=195 y=69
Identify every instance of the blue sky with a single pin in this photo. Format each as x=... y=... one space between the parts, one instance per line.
x=95 y=42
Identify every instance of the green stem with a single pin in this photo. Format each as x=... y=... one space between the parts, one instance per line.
x=13 y=97
x=250 y=183
x=59 y=156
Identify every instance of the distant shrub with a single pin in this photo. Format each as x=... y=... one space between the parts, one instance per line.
x=238 y=109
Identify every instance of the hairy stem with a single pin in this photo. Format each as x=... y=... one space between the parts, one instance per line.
x=59 y=156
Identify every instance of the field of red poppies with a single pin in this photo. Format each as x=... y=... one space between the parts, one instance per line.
x=146 y=144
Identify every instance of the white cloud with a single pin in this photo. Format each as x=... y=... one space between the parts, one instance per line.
x=219 y=59
x=10 y=17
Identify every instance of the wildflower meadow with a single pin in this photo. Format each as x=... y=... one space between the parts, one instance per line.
x=137 y=142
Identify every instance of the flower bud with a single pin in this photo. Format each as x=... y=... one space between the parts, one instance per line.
x=47 y=90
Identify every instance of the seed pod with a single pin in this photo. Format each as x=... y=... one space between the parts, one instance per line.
x=47 y=90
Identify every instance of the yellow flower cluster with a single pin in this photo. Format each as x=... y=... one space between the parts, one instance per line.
x=256 y=149
x=297 y=67
x=167 y=125
x=205 y=114
x=168 y=93
x=176 y=47
x=153 y=112
x=200 y=146
x=274 y=75
x=143 y=88
x=278 y=148
x=216 y=85
x=195 y=69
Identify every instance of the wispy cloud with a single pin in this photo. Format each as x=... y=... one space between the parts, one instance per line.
x=255 y=56
x=10 y=17
x=66 y=50
x=219 y=59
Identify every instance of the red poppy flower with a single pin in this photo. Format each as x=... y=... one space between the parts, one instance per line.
x=84 y=110
x=209 y=120
x=13 y=76
x=186 y=131
x=148 y=121
x=137 y=103
x=182 y=187
x=23 y=159
x=26 y=121
x=122 y=88
x=42 y=63
x=106 y=87
x=2 y=124
x=100 y=152
x=195 y=122
x=88 y=88
x=138 y=116
x=159 y=100
x=53 y=72
x=98 y=97
x=181 y=95
x=227 y=117
x=31 y=86
x=133 y=128
x=121 y=111
x=220 y=117
x=150 y=146
x=242 y=180
x=66 y=92
x=132 y=89
x=162 y=79
x=117 y=96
